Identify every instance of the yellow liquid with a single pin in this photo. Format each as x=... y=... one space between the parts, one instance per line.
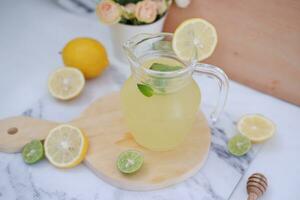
x=160 y=122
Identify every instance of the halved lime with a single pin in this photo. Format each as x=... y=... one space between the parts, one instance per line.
x=33 y=152
x=130 y=161
x=239 y=145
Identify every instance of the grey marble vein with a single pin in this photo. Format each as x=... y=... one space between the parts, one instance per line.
x=36 y=111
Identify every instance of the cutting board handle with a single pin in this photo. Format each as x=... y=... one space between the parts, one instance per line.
x=15 y=132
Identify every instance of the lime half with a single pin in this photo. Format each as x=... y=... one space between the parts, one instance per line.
x=33 y=152
x=130 y=161
x=239 y=145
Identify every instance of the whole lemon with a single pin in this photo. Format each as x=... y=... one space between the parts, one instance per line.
x=86 y=54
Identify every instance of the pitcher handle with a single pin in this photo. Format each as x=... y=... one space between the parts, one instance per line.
x=222 y=79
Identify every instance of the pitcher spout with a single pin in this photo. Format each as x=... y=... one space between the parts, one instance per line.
x=130 y=46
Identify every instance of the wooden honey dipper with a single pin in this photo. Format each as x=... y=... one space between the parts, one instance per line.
x=256 y=185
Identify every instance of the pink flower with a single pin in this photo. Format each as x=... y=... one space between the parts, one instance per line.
x=146 y=11
x=109 y=12
x=129 y=10
x=130 y=7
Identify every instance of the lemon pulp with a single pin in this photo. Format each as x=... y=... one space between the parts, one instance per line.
x=256 y=127
x=66 y=146
x=194 y=39
x=66 y=83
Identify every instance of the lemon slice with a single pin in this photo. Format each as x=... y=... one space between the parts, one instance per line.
x=194 y=39
x=66 y=83
x=256 y=127
x=66 y=146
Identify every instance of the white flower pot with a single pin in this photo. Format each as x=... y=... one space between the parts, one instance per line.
x=121 y=33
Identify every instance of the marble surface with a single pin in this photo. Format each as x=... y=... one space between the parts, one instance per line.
x=33 y=33
x=215 y=181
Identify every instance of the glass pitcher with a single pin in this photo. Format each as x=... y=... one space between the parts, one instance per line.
x=160 y=107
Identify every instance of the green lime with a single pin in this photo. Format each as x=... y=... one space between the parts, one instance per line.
x=130 y=161
x=239 y=145
x=33 y=152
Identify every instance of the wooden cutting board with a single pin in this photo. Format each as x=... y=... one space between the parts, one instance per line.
x=259 y=41
x=103 y=122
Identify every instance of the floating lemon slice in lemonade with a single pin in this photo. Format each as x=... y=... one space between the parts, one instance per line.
x=66 y=83
x=256 y=127
x=66 y=146
x=194 y=39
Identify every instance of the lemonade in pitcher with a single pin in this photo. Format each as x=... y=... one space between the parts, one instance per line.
x=160 y=122
x=160 y=99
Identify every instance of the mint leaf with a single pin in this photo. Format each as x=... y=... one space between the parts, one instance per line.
x=164 y=68
x=146 y=90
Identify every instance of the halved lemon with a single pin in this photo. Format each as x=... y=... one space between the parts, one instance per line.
x=66 y=146
x=256 y=127
x=194 y=39
x=66 y=83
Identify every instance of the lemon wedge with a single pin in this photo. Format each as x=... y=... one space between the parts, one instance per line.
x=256 y=127
x=66 y=83
x=194 y=39
x=66 y=146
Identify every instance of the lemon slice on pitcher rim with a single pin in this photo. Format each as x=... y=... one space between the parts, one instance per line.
x=194 y=39
x=66 y=83
x=256 y=127
x=66 y=146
